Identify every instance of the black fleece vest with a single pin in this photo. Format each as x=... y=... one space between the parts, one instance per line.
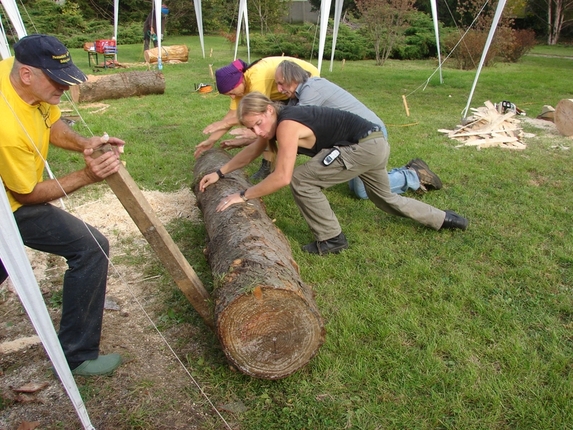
x=331 y=127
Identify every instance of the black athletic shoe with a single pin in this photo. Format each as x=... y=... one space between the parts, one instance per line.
x=330 y=246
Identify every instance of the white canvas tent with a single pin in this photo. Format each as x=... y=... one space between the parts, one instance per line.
x=11 y=247
x=157 y=10
x=14 y=15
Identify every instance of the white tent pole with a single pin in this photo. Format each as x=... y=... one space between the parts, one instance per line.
x=437 y=32
x=159 y=32
x=115 y=21
x=199 y=16
x=494 y=23
x=239 y=23
x=324 y=14
x=243 y=14
x=115 y=17
x=246 y=13
x=15 y=18
x=16 y=262
x=4 y=46
x=337 y=16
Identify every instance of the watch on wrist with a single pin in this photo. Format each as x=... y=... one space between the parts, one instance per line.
x=242 y=194
x=220 y=174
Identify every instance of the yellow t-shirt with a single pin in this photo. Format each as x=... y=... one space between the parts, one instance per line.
x=261 y=78
x=24 y=137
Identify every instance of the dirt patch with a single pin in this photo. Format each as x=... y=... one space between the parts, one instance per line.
x=152 y=389
x=548 y=127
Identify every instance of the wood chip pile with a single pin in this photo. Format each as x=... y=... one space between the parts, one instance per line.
x=487 y=127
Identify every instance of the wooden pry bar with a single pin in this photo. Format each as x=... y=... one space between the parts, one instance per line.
x=135 y=203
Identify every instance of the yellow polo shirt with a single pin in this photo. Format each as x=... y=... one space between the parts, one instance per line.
x=24 y=137
x=261 y=78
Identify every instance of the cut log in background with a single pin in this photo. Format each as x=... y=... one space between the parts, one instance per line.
x=118 y=85
x=168 y=54
x=265 y=316
x=563 y=117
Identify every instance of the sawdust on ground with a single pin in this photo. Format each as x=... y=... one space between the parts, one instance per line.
x=152 y=378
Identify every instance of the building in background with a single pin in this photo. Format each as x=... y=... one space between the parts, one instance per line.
x=301 y=11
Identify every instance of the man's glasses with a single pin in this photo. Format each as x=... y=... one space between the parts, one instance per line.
x=45 y=115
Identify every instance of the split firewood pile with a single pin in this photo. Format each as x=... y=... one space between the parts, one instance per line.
x=489 y=126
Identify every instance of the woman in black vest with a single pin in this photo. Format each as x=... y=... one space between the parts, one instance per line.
x=342 y=146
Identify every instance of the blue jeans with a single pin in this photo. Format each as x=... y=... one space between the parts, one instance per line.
x=401 y=178
x=50 y=229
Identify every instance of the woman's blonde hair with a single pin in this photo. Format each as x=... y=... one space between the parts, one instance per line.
x=255 y=102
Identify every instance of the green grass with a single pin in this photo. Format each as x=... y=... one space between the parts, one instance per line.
x=425 y=330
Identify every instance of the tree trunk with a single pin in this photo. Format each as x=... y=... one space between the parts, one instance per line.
x=118 y=85
x=555 y=15
x=265 y=316
x=168 y=53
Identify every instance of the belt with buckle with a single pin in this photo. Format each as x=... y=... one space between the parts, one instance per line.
x=374 y=129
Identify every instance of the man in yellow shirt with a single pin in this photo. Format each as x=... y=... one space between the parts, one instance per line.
x=236 y=80
x=31 y=85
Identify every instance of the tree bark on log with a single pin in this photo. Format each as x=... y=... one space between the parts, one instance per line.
x=118 y=85
x=168 y=53
x=265 y=316
x=563 y=117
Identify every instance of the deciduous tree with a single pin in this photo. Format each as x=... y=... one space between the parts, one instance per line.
x=559 y=16
x=385 y=21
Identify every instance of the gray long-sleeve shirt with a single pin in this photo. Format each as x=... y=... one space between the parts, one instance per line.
x=322 y=92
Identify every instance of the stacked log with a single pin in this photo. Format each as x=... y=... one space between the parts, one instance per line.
x=265 y=316
x=487 y=127
x=118 y=85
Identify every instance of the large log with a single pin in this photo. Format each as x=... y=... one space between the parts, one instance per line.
x=563 y=117
x=265 y=316
x=168 y=53
x=118 y=85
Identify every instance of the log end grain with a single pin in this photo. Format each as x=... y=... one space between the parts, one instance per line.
x=563 y=117
x=270 y=333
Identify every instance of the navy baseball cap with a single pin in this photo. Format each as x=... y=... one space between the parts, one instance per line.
x=51 y=56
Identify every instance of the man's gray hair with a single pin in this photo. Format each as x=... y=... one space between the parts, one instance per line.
x=292 y=72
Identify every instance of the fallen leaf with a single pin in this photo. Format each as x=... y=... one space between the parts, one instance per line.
x=31 y=387
x=28 y=425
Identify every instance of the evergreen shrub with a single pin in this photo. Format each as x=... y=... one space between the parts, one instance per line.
x=301 y=41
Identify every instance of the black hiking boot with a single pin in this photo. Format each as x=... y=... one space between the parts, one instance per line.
x=428 y=179
x=263 y=172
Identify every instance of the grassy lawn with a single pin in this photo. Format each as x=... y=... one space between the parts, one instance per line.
x=425 y=330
